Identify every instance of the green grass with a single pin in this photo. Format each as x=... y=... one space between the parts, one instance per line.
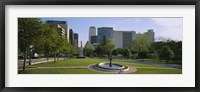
x=141 y=68
x=58 y=71
x=157 y=71
x=72 y=62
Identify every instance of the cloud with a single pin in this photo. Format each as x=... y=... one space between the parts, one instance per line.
x=168 y=22
x=172 y=33
x=169 y=27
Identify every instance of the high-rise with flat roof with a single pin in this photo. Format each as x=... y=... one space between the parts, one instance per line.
x=123 y=39
x=105 y=33
x=71 y=36
x=61 y=26
x=76 y=39
x=150 y=34
x=92 y=32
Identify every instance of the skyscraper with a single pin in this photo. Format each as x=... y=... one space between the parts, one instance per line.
x=76 y=39
x=123 y=39
x=105 y=33
x=71 y=36
x=61 y=26
x=150 y=34
x=92 y=32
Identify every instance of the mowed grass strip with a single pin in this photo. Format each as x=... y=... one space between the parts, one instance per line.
x=157 y=71
x=141 y=68
x=58 y=71
x=86 y=62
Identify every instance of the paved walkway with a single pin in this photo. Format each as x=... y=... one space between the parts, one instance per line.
x=36 y=61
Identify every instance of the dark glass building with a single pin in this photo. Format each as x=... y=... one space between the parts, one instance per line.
x=105 y=33
x=71 y=36
x=76 y=39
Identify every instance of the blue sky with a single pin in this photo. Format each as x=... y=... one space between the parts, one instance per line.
x=163 y=27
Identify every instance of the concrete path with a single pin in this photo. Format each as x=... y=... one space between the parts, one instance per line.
x=36 y=61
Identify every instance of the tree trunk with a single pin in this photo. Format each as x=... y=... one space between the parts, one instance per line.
x=110 y=63
x=54 y=57
x=29 y=63
x=24 y=64
x=109 y=57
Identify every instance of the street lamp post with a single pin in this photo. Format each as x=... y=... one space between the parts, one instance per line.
x=31 y=47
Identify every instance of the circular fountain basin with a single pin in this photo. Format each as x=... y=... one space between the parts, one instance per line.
x=114 y=68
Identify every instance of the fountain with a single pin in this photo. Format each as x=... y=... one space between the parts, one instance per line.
x=112 y=67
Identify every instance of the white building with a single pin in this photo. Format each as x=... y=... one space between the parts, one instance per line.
x=123 y=39
x=150 y=34
x=62 y=27
x=92 y=32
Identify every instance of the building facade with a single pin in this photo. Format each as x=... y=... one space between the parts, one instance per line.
x=92 y=32
x=105 y=33
x=76 y=39
x=71 y=36
x=60 y=26
x=150 y=34
x=123 y=39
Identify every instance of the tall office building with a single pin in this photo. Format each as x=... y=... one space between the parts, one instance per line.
x=150 y=34
x=123 y=39
x=71 y=36
x=61 y=26
x=76 y=39
x=92 y=32
x=94 y=39
x=105 y=33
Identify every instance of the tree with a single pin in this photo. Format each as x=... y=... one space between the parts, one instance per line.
x=99 y=50
x=108 y=47
x=166 y=53
x=175 y=46
x=28 y=30
x=140 y=44
x=65 y=47
x=115 y=52
x=127 y=53
x=89 y=49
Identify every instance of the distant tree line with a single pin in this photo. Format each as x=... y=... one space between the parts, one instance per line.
x=166 y=50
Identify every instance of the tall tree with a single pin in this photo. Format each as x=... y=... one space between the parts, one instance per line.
x=28 y=30
x=88 y=49
x=115 y=52
x=140 y=44
x=108 y=47
x=166 y=53
x=127 y=53
x=99 y=50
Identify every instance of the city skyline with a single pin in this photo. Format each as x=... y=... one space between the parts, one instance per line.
x=163 y=27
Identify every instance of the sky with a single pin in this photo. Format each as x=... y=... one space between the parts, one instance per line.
x=163 y=27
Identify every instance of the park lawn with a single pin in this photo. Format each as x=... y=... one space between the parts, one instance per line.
x=157 y=71
x=141 y=68
x=59 y=71
x=72 y=62
x=86 y=62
